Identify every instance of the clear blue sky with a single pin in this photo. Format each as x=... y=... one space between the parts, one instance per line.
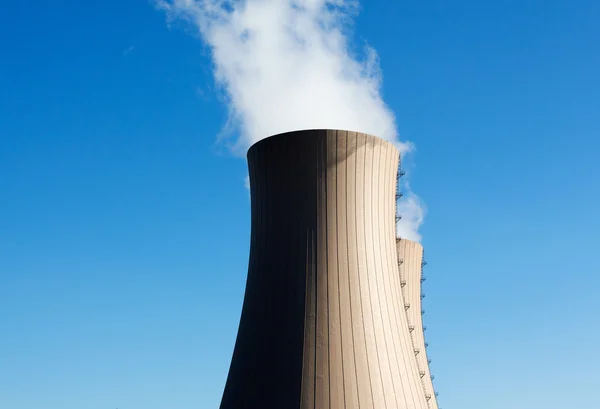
x=124 y=228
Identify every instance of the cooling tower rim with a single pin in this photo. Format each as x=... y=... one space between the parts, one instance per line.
x=257 y=144
x=399 y=239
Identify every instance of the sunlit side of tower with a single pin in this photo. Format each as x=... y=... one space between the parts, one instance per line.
x=410 y=267
x=324 y=324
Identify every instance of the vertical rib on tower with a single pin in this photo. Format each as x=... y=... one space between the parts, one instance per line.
x=323 y=323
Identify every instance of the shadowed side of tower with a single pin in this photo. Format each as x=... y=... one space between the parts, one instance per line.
x=323 y=324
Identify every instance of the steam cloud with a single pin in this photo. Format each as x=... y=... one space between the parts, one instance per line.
x=286 y=64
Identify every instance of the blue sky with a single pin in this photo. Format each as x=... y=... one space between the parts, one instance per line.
x=124 y=226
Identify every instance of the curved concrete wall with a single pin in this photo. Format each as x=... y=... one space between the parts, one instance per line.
x=410 y=258
x=323 y=324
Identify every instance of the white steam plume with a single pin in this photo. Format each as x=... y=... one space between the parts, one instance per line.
x=412 y=210
x=286 y=65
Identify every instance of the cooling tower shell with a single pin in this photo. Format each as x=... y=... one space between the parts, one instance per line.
x=323 y=324
x=410 y=268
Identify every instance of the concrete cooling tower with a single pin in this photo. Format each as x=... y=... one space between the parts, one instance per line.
x=410 y=266
x=328 y=316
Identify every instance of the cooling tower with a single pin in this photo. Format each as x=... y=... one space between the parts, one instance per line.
x=410 y=265
x=323 y=322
